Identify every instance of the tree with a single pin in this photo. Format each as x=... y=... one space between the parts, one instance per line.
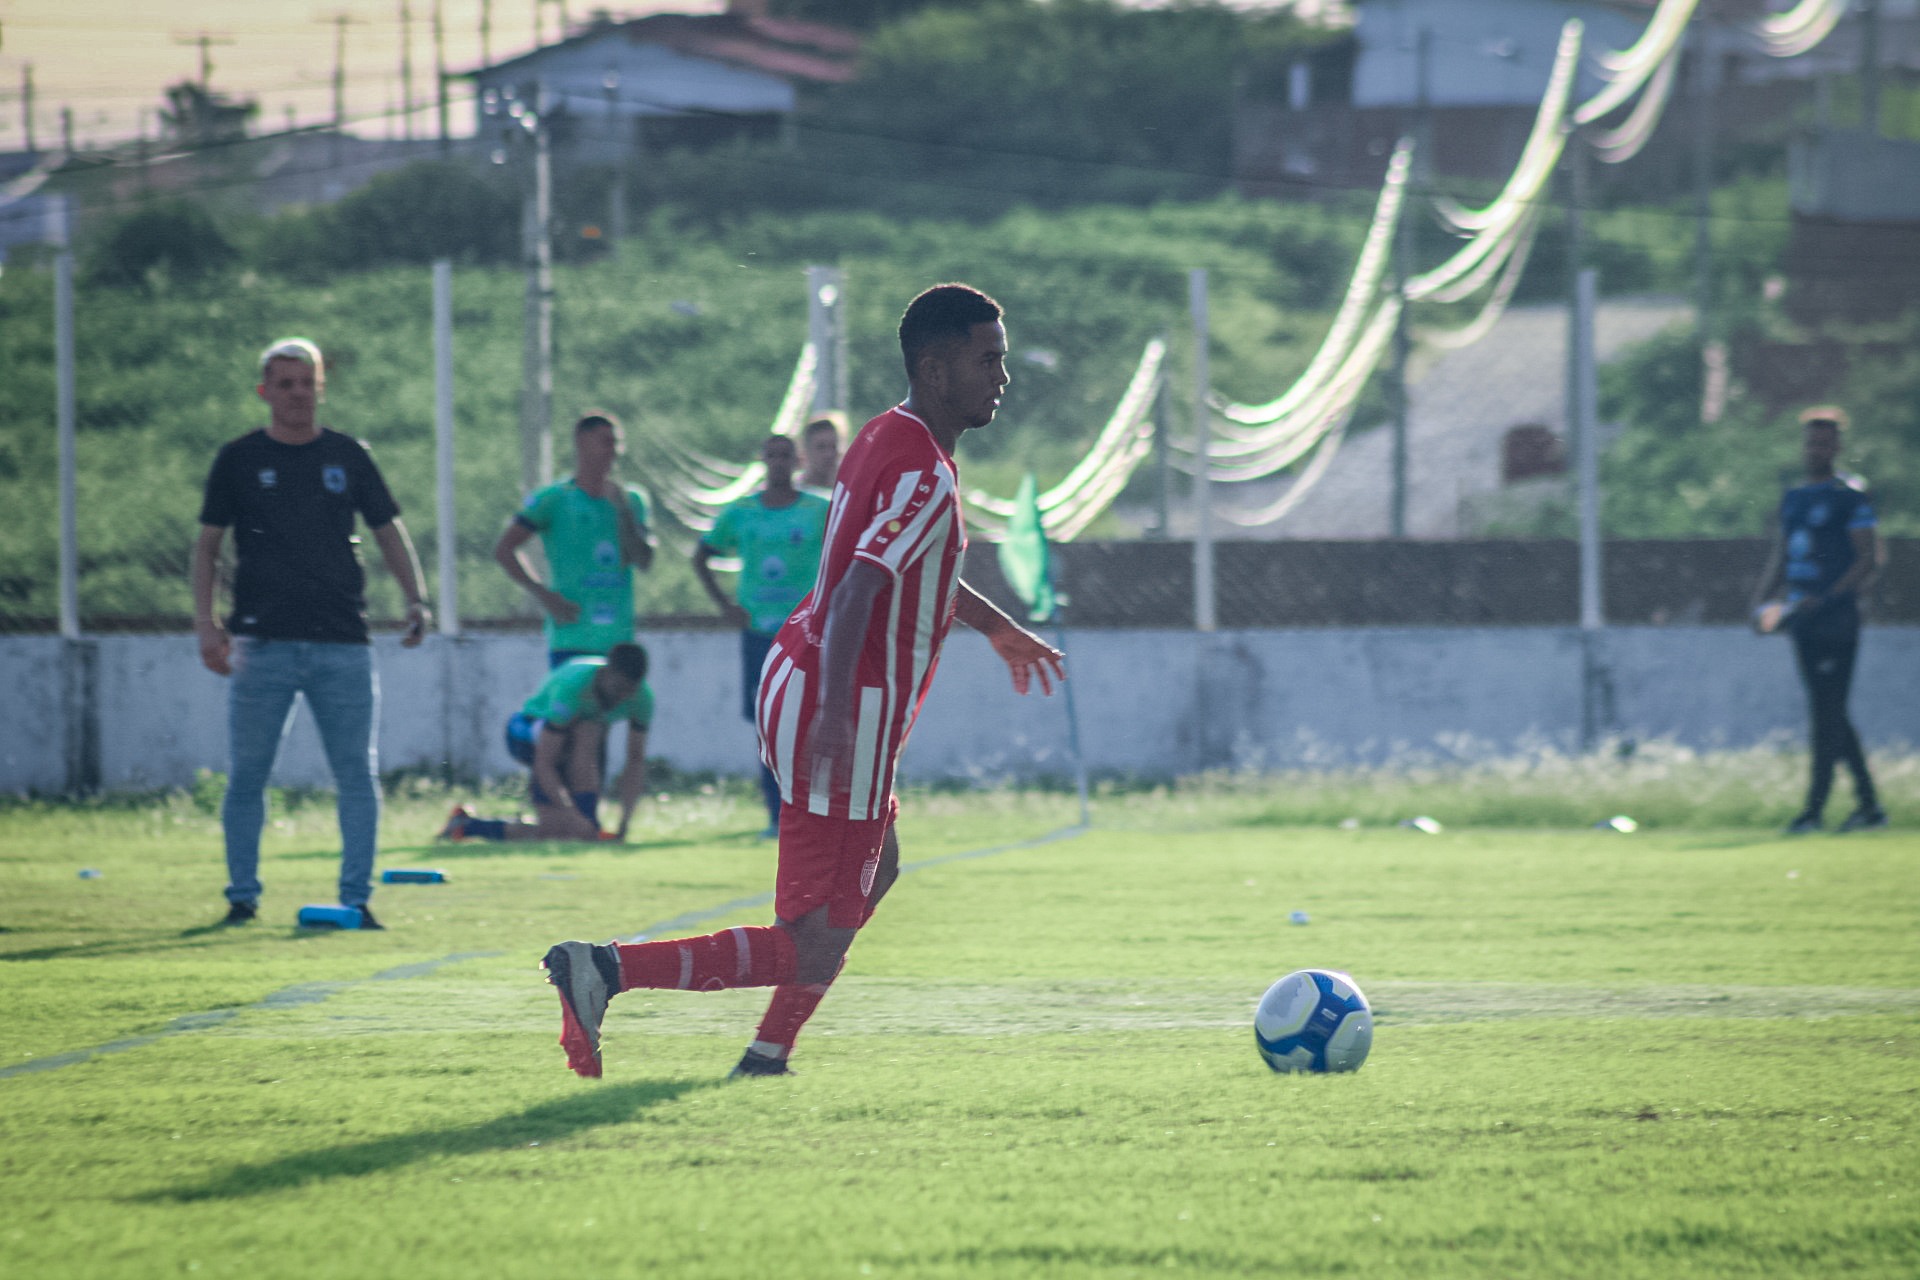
x=195 y=116
x=175 y=235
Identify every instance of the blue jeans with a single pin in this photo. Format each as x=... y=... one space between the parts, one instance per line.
x=343 y=694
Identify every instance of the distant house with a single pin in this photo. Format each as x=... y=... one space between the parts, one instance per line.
x=1479 y=69
x=669 y=79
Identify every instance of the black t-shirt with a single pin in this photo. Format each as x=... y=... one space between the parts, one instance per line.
x=291 y=509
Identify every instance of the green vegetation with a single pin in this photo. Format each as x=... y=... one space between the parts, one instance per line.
x=1679 y=1053
x=681 y=331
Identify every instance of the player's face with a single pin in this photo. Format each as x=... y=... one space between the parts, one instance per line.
x=1819 y=448
x=971 y=374
x=291 y=391
x=823 y=456
x=596 y=448
x=779 y=457
x=613 y=687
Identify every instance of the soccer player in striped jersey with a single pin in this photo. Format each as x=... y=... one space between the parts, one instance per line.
x=839 y=694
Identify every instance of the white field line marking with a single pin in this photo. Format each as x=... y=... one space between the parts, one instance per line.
x=287 y=997
x=314 y=992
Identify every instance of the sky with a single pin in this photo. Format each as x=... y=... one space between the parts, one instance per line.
x=108 y=60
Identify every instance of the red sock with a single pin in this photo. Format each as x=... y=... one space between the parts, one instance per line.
x=792 y=1004
x=762 y=956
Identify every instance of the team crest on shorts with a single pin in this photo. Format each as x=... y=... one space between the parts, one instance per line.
x=334 y=478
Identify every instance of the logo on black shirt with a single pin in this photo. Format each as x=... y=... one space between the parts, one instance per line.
x=268 y=477
x=334 y=478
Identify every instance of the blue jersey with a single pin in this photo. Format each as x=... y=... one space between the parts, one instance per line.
x=1817 y=523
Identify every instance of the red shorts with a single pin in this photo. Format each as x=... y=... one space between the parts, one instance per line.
x=828 y=862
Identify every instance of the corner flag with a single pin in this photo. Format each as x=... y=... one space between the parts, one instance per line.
x=1024 y=559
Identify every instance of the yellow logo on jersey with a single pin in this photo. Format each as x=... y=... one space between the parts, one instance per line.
x=893 y=526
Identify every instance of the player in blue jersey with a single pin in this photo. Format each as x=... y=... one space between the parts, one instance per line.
x=776 y=535
x=1827 y=554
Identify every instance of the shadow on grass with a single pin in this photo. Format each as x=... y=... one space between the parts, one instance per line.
x=544 y=1123
x=427 y=854
x=184 y=939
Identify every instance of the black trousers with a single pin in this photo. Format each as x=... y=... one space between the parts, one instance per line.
x=1826 y=644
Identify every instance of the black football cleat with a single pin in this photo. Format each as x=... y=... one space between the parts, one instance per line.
x=760 y=1064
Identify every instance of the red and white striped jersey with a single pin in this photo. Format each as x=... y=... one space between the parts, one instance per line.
x=896 y=505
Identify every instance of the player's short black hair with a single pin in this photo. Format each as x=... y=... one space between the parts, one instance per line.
x=944 y=313
x=629 y=659
x=589 y=421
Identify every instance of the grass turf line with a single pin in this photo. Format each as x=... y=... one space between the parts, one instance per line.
x=1635 y=1056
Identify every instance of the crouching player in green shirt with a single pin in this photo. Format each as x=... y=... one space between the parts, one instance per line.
x=560 y=734
x=776 y=534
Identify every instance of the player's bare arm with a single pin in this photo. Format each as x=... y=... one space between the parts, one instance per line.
x=633 y=778
x=703 y=569
x=507 y=554
x=560 y=819
x=849 y=612
x=396 y=548
x=1027 y=656
x=1868 y=556
x=216 y=646
x=636 y=542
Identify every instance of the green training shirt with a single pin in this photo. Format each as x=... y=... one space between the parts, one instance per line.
x=779 y=553
x=581 y=536
x=566 y=697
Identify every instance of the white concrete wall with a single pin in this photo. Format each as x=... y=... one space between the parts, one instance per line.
x=1151 y=703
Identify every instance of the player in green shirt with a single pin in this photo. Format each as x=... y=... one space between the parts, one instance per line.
x=593 y=544
x=560 y=734
x=776 y=535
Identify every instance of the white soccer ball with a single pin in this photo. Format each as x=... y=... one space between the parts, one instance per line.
x=1314 y=1020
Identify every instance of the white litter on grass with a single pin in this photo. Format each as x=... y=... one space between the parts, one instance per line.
x=1423 y=824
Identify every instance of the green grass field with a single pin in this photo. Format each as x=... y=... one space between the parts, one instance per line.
x=1680 y=1052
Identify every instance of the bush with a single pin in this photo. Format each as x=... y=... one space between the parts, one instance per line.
x=177 y=237
x=413 y=215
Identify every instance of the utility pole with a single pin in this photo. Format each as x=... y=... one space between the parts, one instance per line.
x=205 y=40
x=1203 y=597
x=440 y=75
x=1402 y=266
x=406 y=70
x=1703 y=130
x=1870 y=66
x=66 y=130
x=486 y=33
x=340 y=21
x=617 y=192
x=26 y=104
x=536 y=387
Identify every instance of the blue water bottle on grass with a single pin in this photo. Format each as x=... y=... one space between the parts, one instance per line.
x=317 y=915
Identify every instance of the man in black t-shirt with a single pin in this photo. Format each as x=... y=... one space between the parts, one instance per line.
x=290 y=493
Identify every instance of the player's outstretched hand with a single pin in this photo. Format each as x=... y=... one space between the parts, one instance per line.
x=1029 y=658
x=216 y=648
